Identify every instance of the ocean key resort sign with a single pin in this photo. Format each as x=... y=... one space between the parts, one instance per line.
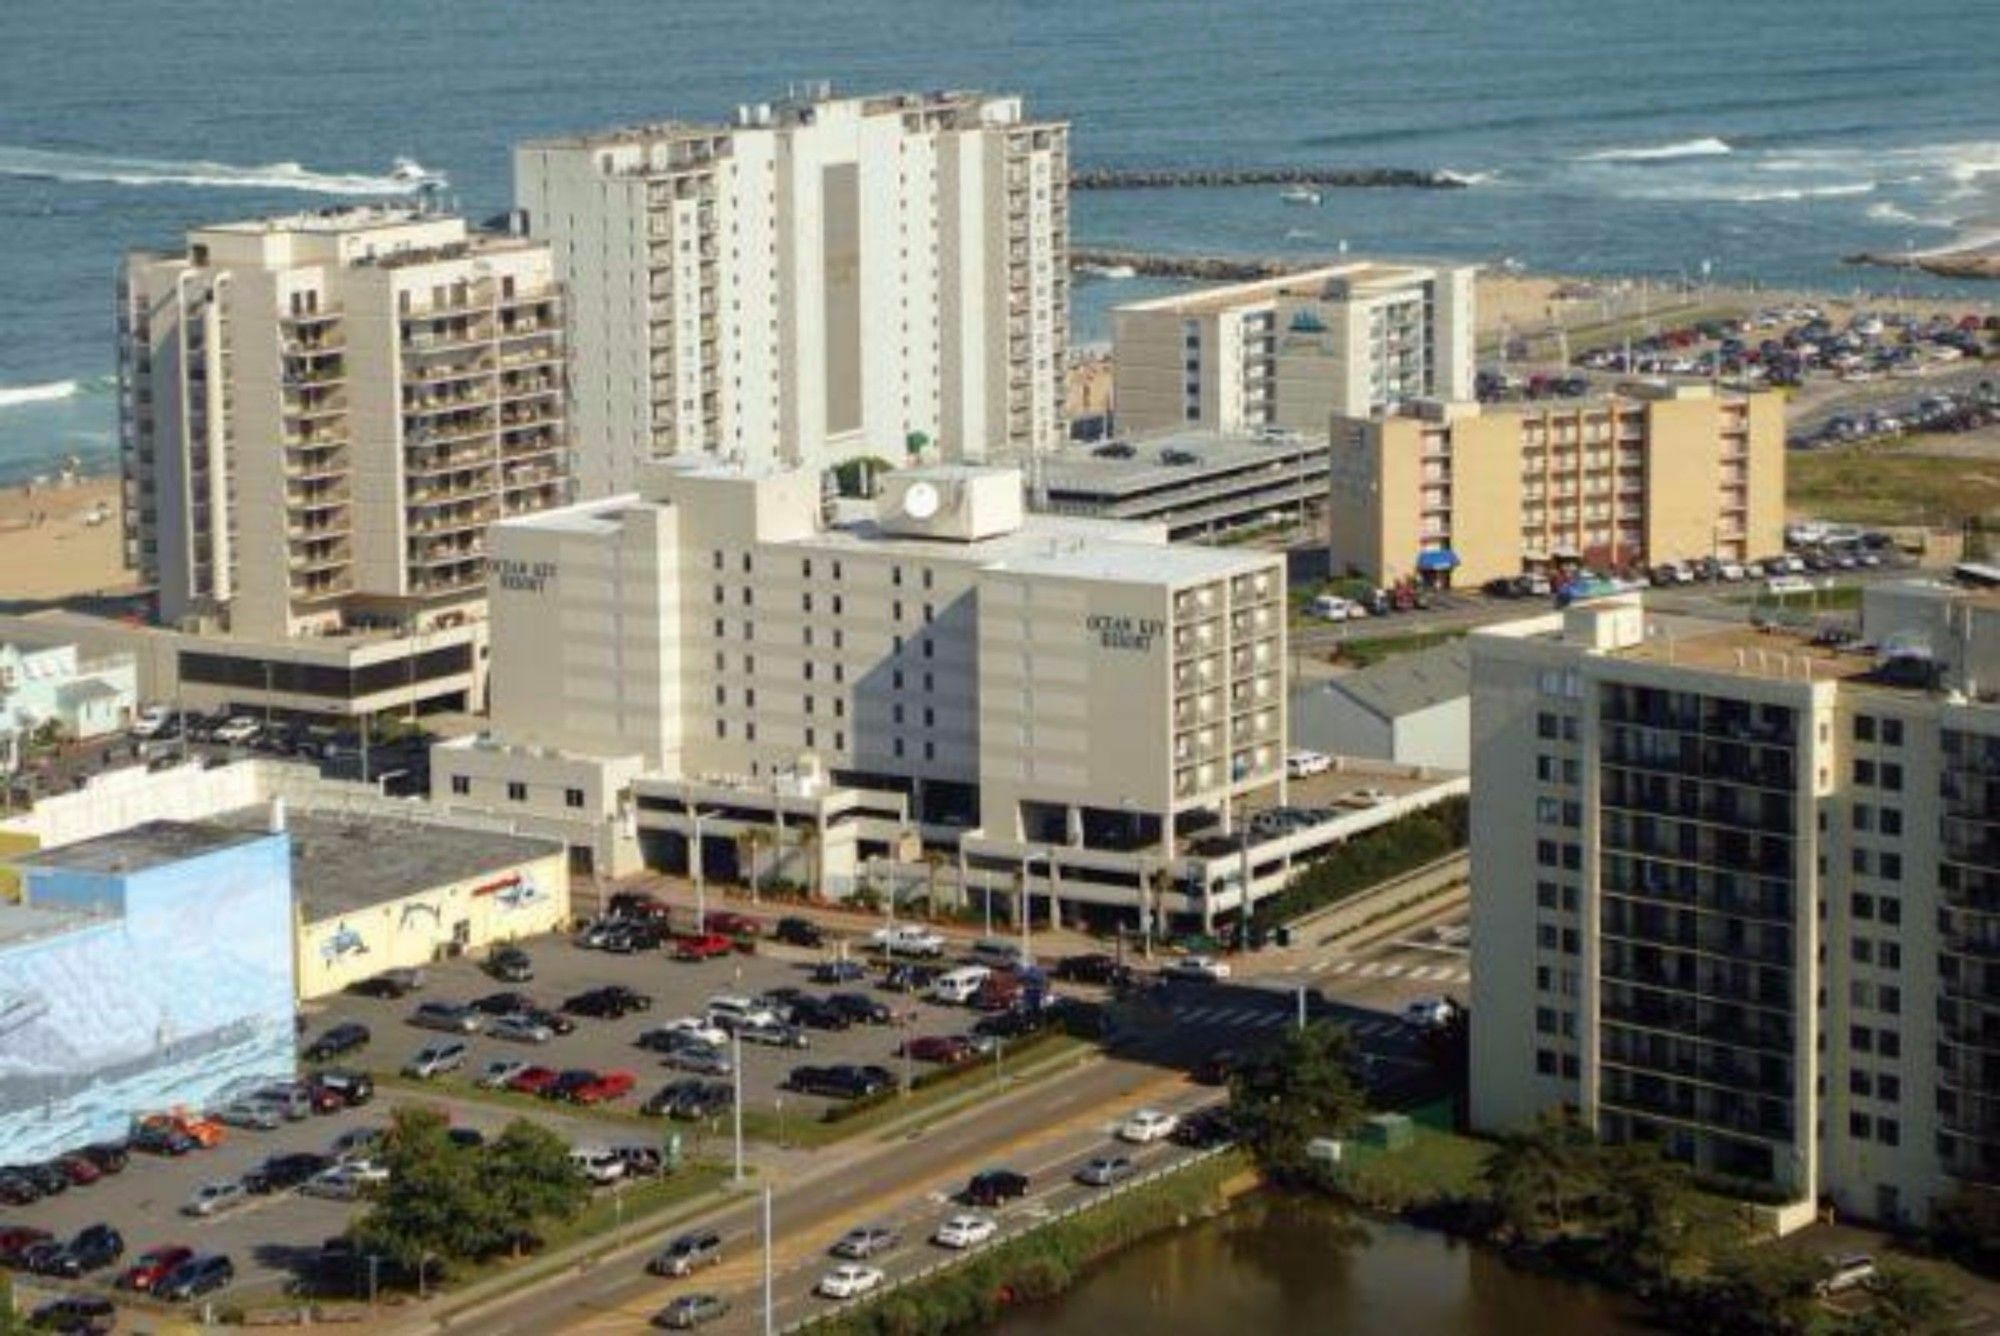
x=1118 y=632
x=528 y=577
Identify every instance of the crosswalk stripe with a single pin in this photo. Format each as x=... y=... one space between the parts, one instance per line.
x=1318 y=965
x=1369 y=969
x=1392 y=969
x=1346 y=965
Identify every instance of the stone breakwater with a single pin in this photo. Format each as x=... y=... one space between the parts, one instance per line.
x=1170 y=178
x=1209 y=268
x=1981 y=262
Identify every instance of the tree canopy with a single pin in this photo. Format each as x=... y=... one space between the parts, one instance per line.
x=1285 y=1095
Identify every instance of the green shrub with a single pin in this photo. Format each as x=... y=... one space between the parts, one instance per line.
x=1371 y=858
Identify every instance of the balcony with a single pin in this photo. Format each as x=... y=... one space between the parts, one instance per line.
x=430 y=520
x=306 y=407
x=322 y=586
x=320 y=556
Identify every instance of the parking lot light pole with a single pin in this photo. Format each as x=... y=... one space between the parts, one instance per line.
x=1302 y=1006
x=696 y=864
x=770 y=1303
x=736 y=1104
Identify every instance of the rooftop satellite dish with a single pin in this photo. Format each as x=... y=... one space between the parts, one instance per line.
x=921 y=501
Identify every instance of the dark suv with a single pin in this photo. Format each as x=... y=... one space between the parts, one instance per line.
x=341 y=1039
x=799 y=932
x=612 y=1002
x=995 y=1186
x=841 y=1082
x=510 y=964
x=203 y=1275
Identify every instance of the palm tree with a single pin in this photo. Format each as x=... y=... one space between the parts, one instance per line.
x=752 y=839
x=935 y=859
x=809 y=848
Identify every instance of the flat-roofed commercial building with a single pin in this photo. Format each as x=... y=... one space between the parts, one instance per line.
x=1351 y=339
x=1198 y=484
x=1736 y=891
x=1650 y=474
x=321 y=413
x=819 y=278
x=937 y=662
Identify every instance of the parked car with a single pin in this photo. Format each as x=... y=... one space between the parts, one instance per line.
x=506 y=1003
x=865 y=1241
x=435 y=1059
x=519 y=1029
x=76 y=1315
x=692 y=1310
x=731 y=1012
x=93 y=1248
x=108 y=1156
x=850 y=1281
x=1427 y=1012
x=839 y=972
x=702 y=946
x=1147 y=1125
x=689 y=1099
x=731 y=924
x=683 y=1030
x=860 y=1008
x=155 y=1138
x=80 y=1170
x=1094 y=967
x=908 y=939
x=510 y=964
x=1303 y=764
x=338 y=1040
x=16 y=1241
x=844 y=1081
x=281 y=1173
x=598 y=1164
x=605 y=1088
x=818 y=1013
x=153 y=1266
x=247 y=1113
x=350 y=1089
x=355 y=1143
x=196 y=1277
x=214 y=1198
x=611 y=1002
x=1195 y=969
x=941 y=1048
x=638 y=905
x=964 y=1231
x=1204 y=1129
x=238 y=730
x=452 y=1017
x=1844 y=1272
x=533 y=1080
x=702 y=1059
x=799 y=932
x=389 y=983
x=687 y=1254
x=774 y=1033
x=904 y=977
x=345 y=1182
x=994 y=1187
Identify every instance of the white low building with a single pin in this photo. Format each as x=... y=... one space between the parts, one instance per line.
x=1413 y=709
x=51 y=685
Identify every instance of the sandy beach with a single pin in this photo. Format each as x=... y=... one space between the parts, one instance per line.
x=61 y=539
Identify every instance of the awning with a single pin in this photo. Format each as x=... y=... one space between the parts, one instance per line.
x=1438 y=559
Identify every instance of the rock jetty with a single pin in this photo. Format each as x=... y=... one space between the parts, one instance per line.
x=1170 y=178
x=1208 y=268
x=1972 y=262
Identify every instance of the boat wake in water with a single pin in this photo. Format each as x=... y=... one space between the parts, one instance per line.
x=41 y=164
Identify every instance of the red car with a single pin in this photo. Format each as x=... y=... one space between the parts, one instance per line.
x=17 y=1239
x=533 y=1080
x=153 y=1266
x=707 y=946
x=607 y=1087
x=732 y=925
x=937 y=1048
x=82 y=1172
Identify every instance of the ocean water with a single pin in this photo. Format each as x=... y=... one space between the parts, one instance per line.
x=1624 y=136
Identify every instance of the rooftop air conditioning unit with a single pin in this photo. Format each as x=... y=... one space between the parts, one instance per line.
x=955 y=504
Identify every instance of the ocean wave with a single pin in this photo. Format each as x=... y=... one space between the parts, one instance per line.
x=1470 y=178
x=1707 y=147
x=43 y=165
x=1885 y=212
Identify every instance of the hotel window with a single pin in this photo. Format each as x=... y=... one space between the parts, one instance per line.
x=899 y=748
x=746 y=563
x=1864 y=728
x=840 y=742
x=517 y=791
x=930 y=751
x=749 y=599
x=809 y=737
x=572 y=797
x=806 y=603
x=721 y=694
x=718 y=559
x=719 y=594
x=896 y=576
x=1864 y=771
x=461 y=784
x=721 y=628
x=806 y=568
x=1892 y=777
x=1892 y=821
x=929 y=578
x=750 y=732
x=839 y=606
x=1892 y=732
x=836 y=570
x=930 y=717
x=896 y=713
x=896 y=610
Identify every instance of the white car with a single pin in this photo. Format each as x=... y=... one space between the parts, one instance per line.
x=1147 y=1126
x=497 y=1073
x=149 y=721
x=345 y=1182
x=215 y=1198
x=849 y=1281
x=904 y=939
x=965 y=1231
x=1332 y=608
x=602 y=1167
x=697 y=1028
x=1303 y=764
x=238 y=730
x=1196 y=969
x=1427 y=1012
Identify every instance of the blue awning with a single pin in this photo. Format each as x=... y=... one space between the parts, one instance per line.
x=1440 y=559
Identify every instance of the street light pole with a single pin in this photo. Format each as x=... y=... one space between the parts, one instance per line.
x=700 y=877
x=770 y=1304
x=736 y=1102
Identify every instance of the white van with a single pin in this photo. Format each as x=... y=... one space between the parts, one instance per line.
x=961 y=985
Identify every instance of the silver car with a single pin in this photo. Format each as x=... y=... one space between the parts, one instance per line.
x=520 y=1029
x=446 y=1055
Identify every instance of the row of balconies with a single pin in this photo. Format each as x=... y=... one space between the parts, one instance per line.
x=1714 y=1064
x=1655 y=1096
x=1678 y=1013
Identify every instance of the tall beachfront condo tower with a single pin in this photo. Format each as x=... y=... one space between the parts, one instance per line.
x=1736 y=891
x=819 y=279
x=322 y=413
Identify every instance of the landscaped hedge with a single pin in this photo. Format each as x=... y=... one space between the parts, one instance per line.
x=1042 y=1264
x=1370 y=858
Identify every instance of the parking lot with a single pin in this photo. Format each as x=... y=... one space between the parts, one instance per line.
x=563 y=970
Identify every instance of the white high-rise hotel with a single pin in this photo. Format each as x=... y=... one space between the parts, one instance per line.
x=818 y=279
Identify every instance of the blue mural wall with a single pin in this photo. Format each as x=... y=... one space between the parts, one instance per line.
x=179 y=987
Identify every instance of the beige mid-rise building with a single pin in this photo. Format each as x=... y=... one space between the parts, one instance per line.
x=817 y=279
x=322 y=413
x=1650 y=474
x=1290 y=352
x=1737 y=891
